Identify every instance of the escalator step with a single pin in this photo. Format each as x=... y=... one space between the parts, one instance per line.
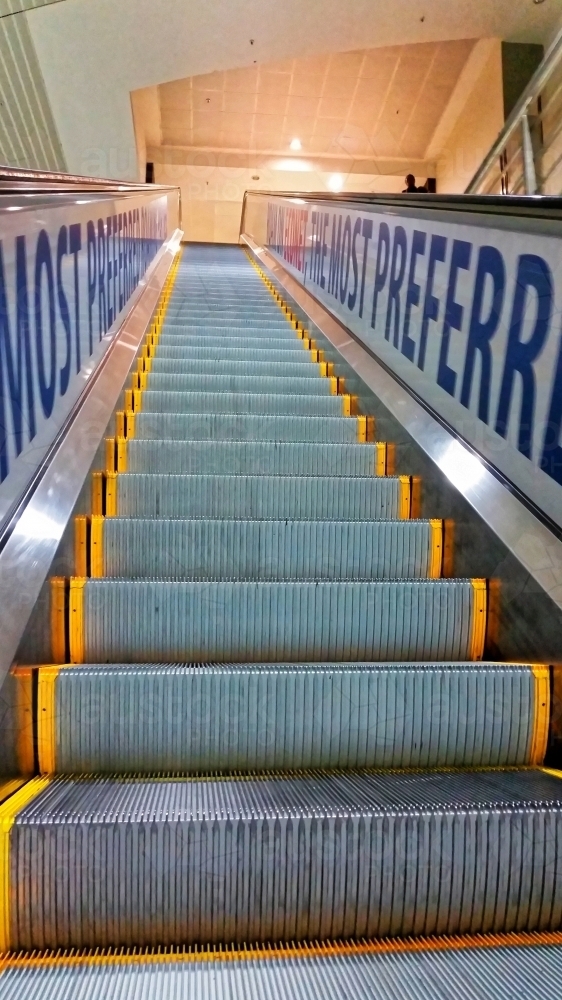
x=244 y=427
x=269 y=550
x=268 y=404
x=132 y=719
x=224 y=366
x=253 y=458
x=261 y=497
x=528 y=967
x=208 y=342
x=180 y=322
x=145 y=621
x=221 y=353
x=306 y=856
x=264 y=384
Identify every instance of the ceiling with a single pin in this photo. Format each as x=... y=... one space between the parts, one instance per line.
x=93 y=54
x=370 y=103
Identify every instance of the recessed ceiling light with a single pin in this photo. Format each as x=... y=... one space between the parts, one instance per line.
x=335 y=183
x=296 y=144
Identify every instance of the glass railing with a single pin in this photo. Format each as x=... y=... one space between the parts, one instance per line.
x=527 y=155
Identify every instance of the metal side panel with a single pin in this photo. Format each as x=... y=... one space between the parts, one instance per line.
x=481 y=972
x=315 y=855
x=258 y=497
x=244 y=427
x=202 y=401
x=264 y=384
x=251 y=458
x=157 y=717
x=266 y=550
x=144 y=621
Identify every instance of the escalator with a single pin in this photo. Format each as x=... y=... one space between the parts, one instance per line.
x=273 y=757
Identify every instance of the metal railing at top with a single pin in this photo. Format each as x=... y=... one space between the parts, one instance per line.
x=526 y=158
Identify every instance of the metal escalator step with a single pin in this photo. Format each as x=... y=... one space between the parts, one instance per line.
x=244 y=427
x=266 y=458
x=269 y=550
x=219 y=353
x=132 y=719
x=178 y=339
x=224 y=366
x=260 y=497
x=236 y=328
x=262 y=384
x=142 y=621
x=290 y=404
x=526 y=966
x=111 y=861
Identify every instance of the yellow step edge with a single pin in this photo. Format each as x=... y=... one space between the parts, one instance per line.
x=120 y=423
x=111 y=494
x=405 y=498
x=142 y=377
x=416 y=498
x=305 y=950
x=76 y=619
x=347 y=405
x=121 y=445
x=23 y=680
x=97 y=492
x=479 y=619
x=541 y=673
x=380 y=458
x=97 y=567
x=361 y=430
x=8 y=813
x=58 y=618
x=110 y=455
x=129 y=424
x=137 y=400
x=81 y=545
x=435 y=566
x=46 y=718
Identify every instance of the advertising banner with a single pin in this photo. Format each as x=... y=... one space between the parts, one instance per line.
x=467 y=315
x=66 y=276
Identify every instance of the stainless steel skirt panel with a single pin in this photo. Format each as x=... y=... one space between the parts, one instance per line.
x=315 y=856
x=257 y=403
x=532 y=972
x=251 y=458
x=259 y=497
x=244 y=427
x=266 y=550
x=146 y=621
x=183 y=717
x=264 y=384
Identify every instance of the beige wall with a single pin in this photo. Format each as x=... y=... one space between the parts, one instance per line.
x=479 y=121
x=212 y=196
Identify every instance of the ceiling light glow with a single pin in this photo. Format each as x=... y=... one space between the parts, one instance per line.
x=335 y=183
x=296 y=144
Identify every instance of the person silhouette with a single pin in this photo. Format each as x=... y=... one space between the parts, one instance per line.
x=410 y=188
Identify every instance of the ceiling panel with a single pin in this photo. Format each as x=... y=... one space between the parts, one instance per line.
x=373 y=102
